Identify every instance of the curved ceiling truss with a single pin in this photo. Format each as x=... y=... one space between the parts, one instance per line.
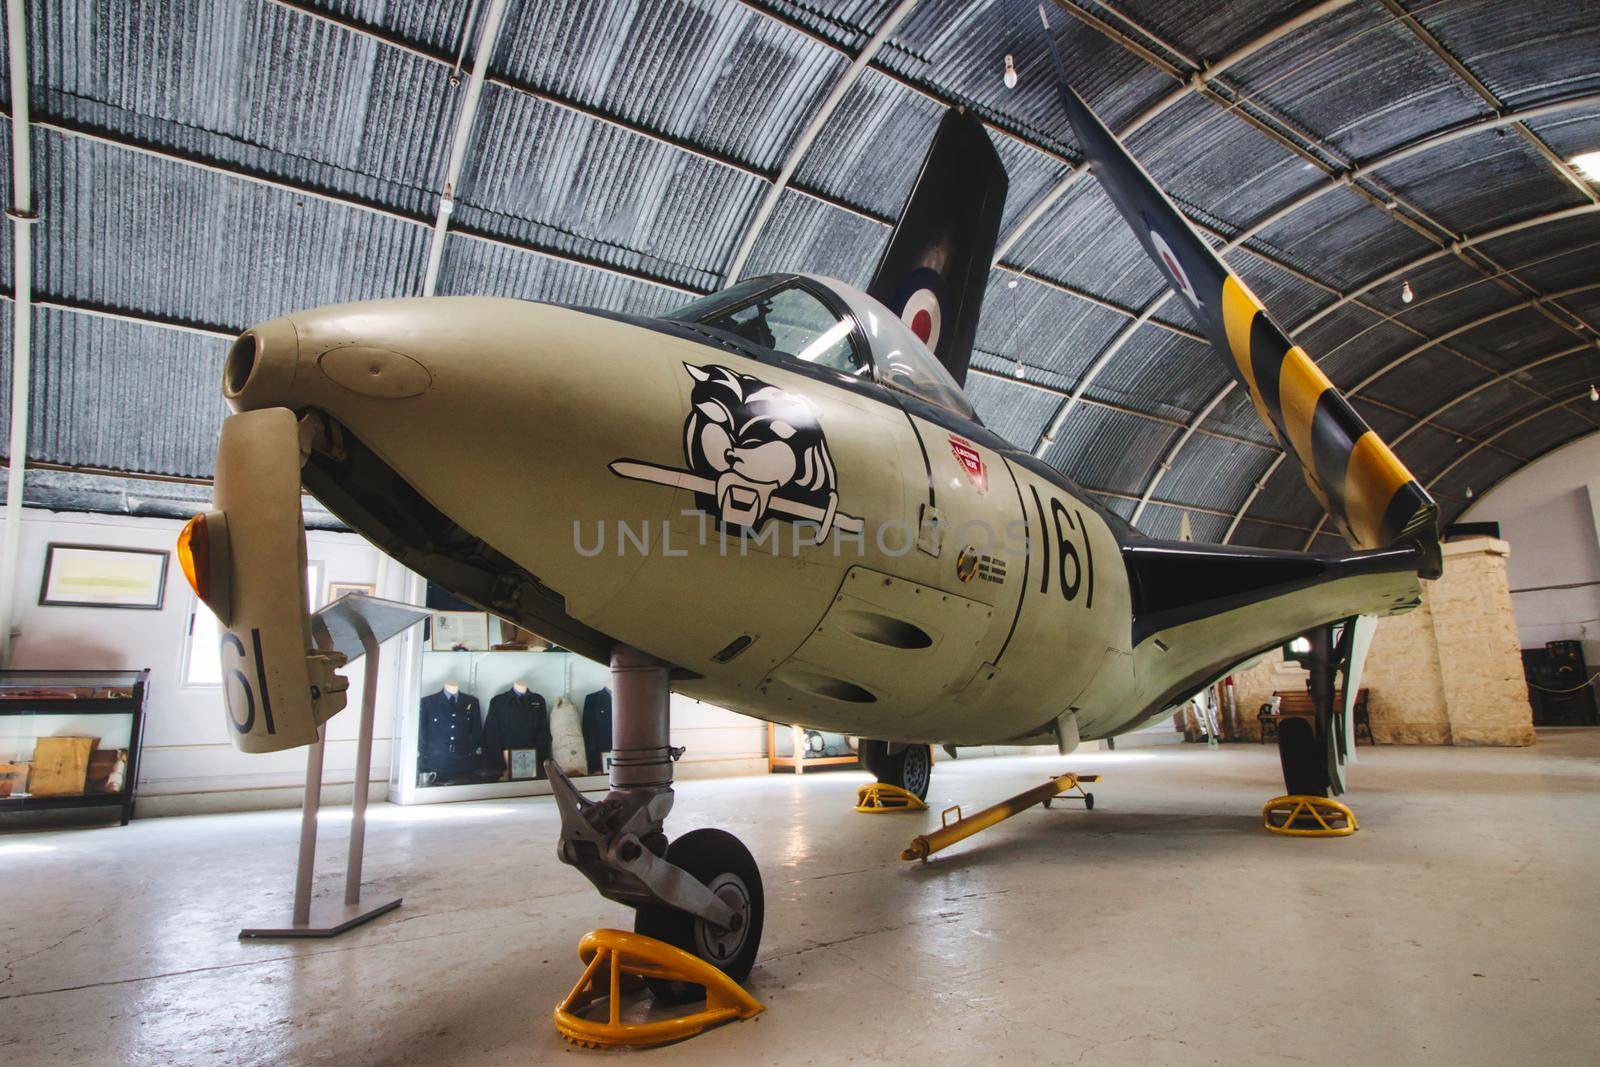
x=1146 y=65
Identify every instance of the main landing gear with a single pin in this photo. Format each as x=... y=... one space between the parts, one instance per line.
x=701 y=893
x=909 y=767
x=1314 y=751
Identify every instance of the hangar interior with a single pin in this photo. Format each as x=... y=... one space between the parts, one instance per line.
x=1410 y=187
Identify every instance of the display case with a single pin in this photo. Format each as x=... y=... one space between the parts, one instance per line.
x=480 y=721
x=799 y=748
x=70 y=739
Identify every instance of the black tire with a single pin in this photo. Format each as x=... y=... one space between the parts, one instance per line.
x=1088 y=801
x=720 y=861
x=1305 y=761
x=911 y=768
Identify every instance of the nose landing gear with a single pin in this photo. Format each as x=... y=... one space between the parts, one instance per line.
x=701 y=893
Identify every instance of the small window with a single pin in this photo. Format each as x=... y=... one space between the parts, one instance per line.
x=202 y=652
x=795 y=323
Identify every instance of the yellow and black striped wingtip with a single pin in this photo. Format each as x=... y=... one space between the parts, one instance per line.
x=1366 y=488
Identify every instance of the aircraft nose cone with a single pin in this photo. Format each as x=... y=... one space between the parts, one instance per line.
x=259 y=370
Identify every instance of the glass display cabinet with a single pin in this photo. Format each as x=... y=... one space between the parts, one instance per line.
x=70 y=739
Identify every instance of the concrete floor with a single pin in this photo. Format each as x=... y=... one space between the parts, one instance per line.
x=1458 y=926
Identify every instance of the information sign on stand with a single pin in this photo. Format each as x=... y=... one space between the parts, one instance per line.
x=355 y=625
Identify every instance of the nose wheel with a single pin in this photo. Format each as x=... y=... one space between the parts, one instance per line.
x=721 y=862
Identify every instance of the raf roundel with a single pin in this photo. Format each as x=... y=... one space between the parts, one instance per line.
x=1175 y=270
x=921 y=313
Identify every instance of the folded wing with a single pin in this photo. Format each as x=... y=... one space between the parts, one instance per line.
x=1370 y=494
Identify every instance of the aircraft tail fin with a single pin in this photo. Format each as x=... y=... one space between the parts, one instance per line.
x=936 y=267
x=1370 y=494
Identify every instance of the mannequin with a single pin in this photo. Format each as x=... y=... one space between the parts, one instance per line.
x=566 y=738
x=450 y=741
x=597 y=728
x=517 y=718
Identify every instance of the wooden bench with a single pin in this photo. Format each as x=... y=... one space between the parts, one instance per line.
x=1296 y=704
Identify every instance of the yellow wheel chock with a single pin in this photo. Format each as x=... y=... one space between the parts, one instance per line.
x=880 y=797
x=632 y=958
x=1307 y=816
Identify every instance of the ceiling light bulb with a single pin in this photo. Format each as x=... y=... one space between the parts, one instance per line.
x=1012 y=284
x=1587 y=164
x=1011 y=72
x=1020 y=371
x=1469 y=492
x=1406 y=295
x=1594 y=394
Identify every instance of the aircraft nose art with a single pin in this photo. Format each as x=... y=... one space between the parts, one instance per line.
x=501 y=414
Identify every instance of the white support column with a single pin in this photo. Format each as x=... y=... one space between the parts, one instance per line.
x=22 y=219
x=463 y=137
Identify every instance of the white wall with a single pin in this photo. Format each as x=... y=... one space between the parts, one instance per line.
x=186 y=740
x=1549 y=511
x=189 y=762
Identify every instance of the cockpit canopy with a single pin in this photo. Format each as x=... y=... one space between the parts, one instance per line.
x=827 y=323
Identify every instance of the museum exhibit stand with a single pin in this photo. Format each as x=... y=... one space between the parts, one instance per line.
x=70 y=739
x=355 y=626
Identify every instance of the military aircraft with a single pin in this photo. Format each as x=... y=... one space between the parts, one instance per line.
x=778 y=499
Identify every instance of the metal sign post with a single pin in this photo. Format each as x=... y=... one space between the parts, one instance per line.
x=355 y=625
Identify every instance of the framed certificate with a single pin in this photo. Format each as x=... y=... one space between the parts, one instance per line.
x=89 y=576
x=339 y=589
x=460 y=631
x=522 y=763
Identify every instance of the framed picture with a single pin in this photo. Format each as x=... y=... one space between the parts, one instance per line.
x=460 y=631
x=91 y=576
x=523 y=763
x=339 y=589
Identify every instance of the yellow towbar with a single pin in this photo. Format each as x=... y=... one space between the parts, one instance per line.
x=924 y=845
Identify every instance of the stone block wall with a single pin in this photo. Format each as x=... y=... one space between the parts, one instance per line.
x=1449 y=672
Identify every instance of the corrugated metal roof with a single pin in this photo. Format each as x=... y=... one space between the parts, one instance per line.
x=1525 y=53
x=1161 y=520
x=131 y=231
x=1341 y=238
x=1010 y=408
x=1105 y=448
x=88 y=411
x=805 y=234
x=1163 y=373
x=719 y=75
x=478 y=267
x=1214 y=473
x=1195 y=150
x=1418 y=376
x=1045 y=328
x=621 y=145
x=569 y=183
x=252 y=85
x=1362 y=80
x=1480 y=181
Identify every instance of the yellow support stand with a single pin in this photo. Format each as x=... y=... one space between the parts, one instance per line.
x=1291 y=814
x=880 y=797
x=636 y=957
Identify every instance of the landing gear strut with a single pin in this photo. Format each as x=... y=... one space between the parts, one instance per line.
x=1314 y=751
x=702 y=893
